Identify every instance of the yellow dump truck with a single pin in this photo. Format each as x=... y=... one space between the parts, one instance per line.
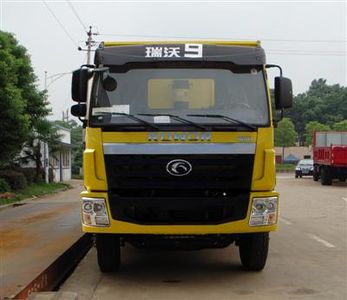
x=179 y=147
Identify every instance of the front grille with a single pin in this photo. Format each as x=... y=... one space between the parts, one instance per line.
x=215 y=191
x=131 y=172
x=182 y=210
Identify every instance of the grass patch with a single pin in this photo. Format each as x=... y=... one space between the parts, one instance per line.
x=34 y=190
x=285 y=167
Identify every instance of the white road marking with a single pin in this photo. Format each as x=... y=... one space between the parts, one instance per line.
x=319 y=240
x=343 y=198
x=285 y=221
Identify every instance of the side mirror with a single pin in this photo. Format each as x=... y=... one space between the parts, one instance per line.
x=283 y=93
x=109 y=84
x=79 y=85
x=75 y=85
x=79 y=110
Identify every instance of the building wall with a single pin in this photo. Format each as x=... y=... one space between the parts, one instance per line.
x=297 y=151
x=65 y=135
x=54 y=158
x=61 y=169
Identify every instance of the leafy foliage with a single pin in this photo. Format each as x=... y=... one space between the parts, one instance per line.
x=285 y=134
x=23 y=107
x=32 y=151
x=4 y=186
x=325 y=104
x=13 y=116
x=16 y=180
x=340 y=125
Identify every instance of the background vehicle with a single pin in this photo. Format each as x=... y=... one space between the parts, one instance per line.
x=179 y=147
x=304 y=168
x=330 y=156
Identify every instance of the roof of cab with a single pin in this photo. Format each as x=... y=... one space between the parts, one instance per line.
x=225 y=43
x=236 y=52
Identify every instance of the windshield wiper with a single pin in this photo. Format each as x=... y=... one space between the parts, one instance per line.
x=132 y=117
x=226 y=118
x=178 y=118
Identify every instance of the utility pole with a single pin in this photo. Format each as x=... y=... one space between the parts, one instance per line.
x=65 y=115
x=48 y=81
x=45 y=146
x=90 y=43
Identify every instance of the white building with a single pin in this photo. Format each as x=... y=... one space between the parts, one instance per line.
x=58 y=164
x=60 y=161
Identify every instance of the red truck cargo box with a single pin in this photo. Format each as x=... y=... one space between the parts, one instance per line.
x=330 y=148
x=339 y=155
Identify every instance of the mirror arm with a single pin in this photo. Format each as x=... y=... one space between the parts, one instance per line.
x=101 y=70
x=83 y=121
x=274 y=66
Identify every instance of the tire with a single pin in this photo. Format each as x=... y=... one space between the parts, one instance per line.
x=108 y=252
x=315 y=176
x=296 y=176
x=325 y=177
x=253 y=249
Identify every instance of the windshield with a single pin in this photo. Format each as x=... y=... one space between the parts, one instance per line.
x=165 y=96
x=303 y=163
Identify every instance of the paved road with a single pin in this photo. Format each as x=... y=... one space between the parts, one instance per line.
x=307 y=259
x=34 y=234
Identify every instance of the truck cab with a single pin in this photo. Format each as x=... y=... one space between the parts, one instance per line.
x=179 y=149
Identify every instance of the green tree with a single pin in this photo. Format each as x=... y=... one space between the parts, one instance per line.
x=285 y=134
x=32 y=148
x=342 y=125
x=15 y=122
x=311 y=127
x=23 y=105
x=326 y=104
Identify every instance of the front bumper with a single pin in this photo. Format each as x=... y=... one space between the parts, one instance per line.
x=232 y=227
x=303 y=173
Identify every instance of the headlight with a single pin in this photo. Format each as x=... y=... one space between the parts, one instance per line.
x=264 y=211
x=94 y=212
x=297 y=169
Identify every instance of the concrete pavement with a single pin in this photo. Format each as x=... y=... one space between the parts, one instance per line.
x=34 y=234
x=307 y=259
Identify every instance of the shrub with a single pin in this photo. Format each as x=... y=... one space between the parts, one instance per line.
x=4 y=186
x=29 y=174
x=16 y=180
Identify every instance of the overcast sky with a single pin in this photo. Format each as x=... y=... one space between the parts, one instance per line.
x=307 y=38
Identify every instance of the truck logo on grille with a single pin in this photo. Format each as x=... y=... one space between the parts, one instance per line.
x=178 y=167
x=179 y=137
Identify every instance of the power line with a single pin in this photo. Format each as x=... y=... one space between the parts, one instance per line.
x=236 y=39
x=273 y=51
x=293 y=51
x=301 y=53
x=76 y=15
x=60 y=24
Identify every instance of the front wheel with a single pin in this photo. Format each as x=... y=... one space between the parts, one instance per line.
x=253 y=249
x=108 y=252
